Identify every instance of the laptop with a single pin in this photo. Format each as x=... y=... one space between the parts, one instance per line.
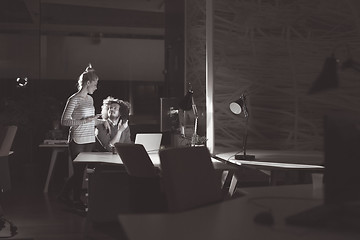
x=136 y=160
x=341 y=207
x=150 y=141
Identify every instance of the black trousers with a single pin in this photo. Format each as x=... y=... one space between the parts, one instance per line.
x=74 y=183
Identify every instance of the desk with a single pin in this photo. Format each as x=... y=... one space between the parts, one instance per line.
x=233 y=219
x=56 y=148
x=276 y=161
x=108 y=157
x=104 y=203
x=225 y=170
x=108 y=185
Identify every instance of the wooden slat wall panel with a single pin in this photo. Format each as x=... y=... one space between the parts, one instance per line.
x=274 y=50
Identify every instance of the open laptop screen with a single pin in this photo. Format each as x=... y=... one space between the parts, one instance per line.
x=150 y=141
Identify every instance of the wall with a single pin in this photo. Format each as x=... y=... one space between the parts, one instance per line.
x=274 y=51
x=113 y=58
x=19 y=55
x=65 y=57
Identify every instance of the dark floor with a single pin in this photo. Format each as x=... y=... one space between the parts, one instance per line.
x=40 y=216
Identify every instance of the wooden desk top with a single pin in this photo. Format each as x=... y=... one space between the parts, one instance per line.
x=234 y=219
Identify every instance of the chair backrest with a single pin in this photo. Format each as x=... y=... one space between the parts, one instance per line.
x=144 y=186
x=7 y=136
x=189 y=178
x=136 y=160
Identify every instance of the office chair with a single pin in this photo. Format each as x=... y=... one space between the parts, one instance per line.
x=7 y=135
x=145 y=191
x=189 y=178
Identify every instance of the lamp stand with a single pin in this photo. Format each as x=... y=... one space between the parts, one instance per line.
x=245 y=156
x=195 y=137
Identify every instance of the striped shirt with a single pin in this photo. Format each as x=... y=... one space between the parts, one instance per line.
x=76 y=111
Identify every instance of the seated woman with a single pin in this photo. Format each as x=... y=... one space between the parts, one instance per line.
x=116 y=113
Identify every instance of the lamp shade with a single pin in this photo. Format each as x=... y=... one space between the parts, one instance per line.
x=236 y=107
x=239 y=106
x=186 y=102
x=328 y=78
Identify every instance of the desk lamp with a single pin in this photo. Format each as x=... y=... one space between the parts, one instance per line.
x=186 y=104
x=328 y=77
x=237 y=107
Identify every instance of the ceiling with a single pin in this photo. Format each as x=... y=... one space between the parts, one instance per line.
x=106 y=18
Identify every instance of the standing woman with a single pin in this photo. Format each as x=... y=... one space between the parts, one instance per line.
x=79 y=115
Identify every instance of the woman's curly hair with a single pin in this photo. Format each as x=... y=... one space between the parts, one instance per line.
x=124 y=107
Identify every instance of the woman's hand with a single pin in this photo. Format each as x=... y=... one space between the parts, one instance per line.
x=92 y=118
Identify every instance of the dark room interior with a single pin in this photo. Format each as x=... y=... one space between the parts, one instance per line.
x=267 y=90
